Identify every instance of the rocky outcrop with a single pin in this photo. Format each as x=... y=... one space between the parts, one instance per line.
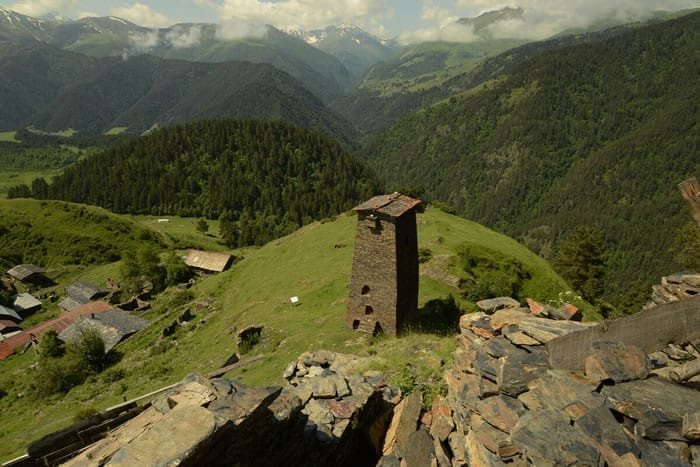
x=673 y=288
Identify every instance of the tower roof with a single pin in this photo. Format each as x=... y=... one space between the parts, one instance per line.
x=394 y=205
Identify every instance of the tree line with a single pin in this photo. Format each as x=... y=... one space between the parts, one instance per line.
x=263 y=179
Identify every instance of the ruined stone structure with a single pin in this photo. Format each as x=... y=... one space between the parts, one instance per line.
x=383 y=294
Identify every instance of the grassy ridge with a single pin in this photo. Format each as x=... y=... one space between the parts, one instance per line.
x=54 y=234
x=313 y=263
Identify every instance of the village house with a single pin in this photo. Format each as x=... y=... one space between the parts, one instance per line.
x=113 y=326
x=208 y=261
x=7 y=313
x=81 y=293
x=25 y=304
x=8 y=346
x=28 y=273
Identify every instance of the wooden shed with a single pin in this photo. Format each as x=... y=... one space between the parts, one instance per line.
x=208 y=261
x=27 y=273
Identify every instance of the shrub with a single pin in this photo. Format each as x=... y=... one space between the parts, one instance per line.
x=89 y=349
x=49 y=345
x=84 y=414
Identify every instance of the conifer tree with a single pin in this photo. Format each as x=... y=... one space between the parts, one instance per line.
x=581 y=261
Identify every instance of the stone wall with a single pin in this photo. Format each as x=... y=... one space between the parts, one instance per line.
x=323 y=416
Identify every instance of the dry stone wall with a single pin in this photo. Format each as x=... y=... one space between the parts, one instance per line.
x=505 y=406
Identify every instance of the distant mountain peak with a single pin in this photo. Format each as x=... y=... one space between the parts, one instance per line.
x=486 y=19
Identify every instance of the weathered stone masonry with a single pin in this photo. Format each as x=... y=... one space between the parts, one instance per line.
x=383 y=293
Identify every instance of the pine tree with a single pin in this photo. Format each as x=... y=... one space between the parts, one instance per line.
x=581 y=260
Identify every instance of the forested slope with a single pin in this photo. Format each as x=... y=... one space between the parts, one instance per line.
x=54 y=90
x=269 y=178
x=596 y=134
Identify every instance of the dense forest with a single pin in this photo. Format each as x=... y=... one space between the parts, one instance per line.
x=266 y=179
x=596 y=134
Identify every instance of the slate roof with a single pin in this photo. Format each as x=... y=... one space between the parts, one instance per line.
x=215 y=262
x=24 y=271
x=69 y=304
x=9 y=313
x=84 y=292
x=113 y=326
x=59 y=324
x=26 y=303
x=394 y=205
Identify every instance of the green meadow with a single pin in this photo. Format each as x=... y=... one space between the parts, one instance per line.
x=312 y=263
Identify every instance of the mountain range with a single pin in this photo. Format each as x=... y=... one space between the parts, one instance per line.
x=54 y=90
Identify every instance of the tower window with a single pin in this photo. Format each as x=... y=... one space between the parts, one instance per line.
x=365 y=290
x=369 y=310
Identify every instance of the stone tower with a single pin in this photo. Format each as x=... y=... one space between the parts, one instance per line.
x=383 y=295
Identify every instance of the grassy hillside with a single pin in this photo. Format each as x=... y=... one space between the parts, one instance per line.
x=314 y=264
x=597 y=134
x=53 y=234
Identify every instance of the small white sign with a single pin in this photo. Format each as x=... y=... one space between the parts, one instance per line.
x=294 y=300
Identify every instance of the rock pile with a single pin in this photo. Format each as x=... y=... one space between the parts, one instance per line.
x=320 y=418
x=506 y=406
x=673 y=288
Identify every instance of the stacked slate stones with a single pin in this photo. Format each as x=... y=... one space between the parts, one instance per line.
x=320 y=418
x=673 y=288
x=506 y=406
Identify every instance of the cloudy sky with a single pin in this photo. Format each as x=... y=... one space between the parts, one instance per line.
x=412 y=20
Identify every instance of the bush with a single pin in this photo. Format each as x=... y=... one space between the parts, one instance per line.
x=84 y=356
x=488 y=274
x=89 y=349
x=49 y=345
x=84 y=414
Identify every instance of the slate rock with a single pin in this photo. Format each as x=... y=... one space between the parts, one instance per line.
x=652 y=400
x=174 y=440
x=419 y=450
x=691 y=426
x=547 y=438
x=389 y=461
x=403 y=423
x=442 y=422
x=493 y=439
x=441 y=454
x=477 y=454
x=602 y=427
x=544 y=330
x=558 y=389
x=616 y=362
x=501 y=411
x=491 y=305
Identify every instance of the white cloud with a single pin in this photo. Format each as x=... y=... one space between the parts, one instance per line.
x=540 y=19
x=182 y=37
x=233 y=29
x=141 y=14
x=87 y=14
x=39 y=8
x=304 y=14
x=144 y=41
